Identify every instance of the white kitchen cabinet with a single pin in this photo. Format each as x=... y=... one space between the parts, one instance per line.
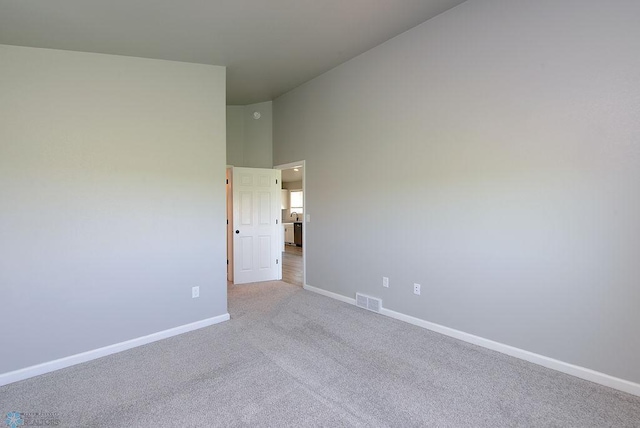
x=285 y=199
x=289 y=236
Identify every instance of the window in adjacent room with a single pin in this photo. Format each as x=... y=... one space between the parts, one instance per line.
x=297 y=205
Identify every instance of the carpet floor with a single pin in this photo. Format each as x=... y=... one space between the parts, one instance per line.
x=289 y=357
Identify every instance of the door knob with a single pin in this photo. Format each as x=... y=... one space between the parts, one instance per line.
x=237 y=231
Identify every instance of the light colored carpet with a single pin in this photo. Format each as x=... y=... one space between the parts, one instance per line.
x=289 y=357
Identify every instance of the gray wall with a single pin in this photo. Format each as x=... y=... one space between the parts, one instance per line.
x=250 y=140
x=491 y=155
x=113 y=199
x=295 y=185
x=235 y=135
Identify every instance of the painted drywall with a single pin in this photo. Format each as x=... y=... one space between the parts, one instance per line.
x=250 y=140
x=292 y=185
x=492 y=155
x=113 y=200
x=235 y=135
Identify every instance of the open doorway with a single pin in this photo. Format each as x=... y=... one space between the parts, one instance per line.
x=294 y=225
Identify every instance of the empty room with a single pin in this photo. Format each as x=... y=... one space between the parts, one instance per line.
x=337 y=213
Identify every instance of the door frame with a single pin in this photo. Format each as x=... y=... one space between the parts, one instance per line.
x=229 y=173
x=290 y=165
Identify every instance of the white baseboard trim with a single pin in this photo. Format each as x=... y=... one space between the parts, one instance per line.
x=49 y=366
x=330 y=294
x=561 y=366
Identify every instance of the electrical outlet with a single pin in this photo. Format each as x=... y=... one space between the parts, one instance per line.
x=416 y=289
x=195 y=292
x=385 y=282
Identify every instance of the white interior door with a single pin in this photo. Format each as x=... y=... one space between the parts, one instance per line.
x=256 y=225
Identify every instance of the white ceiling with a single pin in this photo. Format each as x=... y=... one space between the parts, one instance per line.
x=269 y=46
x=289 y=175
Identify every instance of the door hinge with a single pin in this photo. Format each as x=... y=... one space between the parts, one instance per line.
x=227 y=181
x=227 y=221
x=276 y=261
x=276 y=221
x=276 y=181
x=227 y=261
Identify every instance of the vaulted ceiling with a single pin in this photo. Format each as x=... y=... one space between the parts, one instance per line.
x=268 y=46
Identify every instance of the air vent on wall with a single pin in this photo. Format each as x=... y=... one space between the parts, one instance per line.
x=370 y=303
